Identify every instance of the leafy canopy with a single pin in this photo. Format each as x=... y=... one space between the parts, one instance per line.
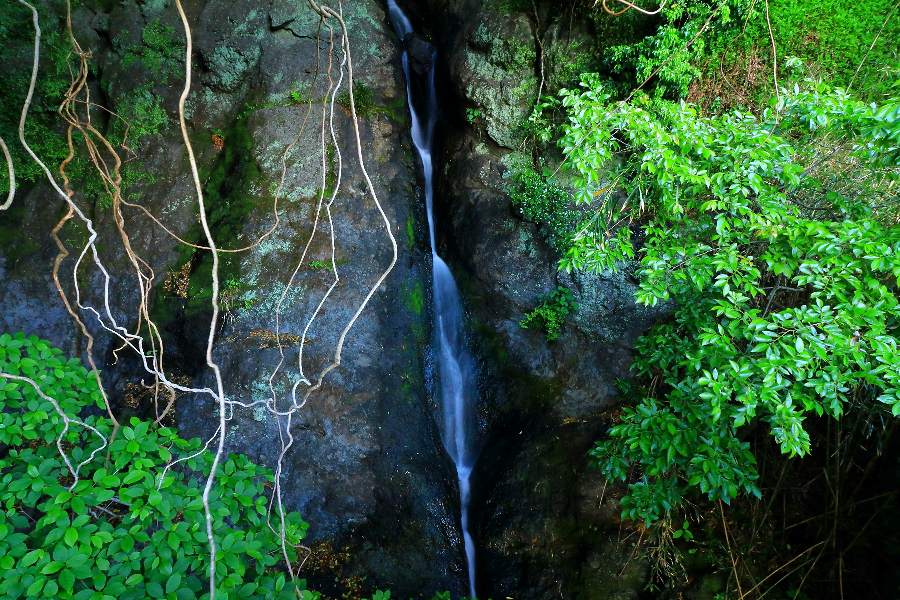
x=775 y=240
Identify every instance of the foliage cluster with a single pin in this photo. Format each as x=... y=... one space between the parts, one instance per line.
x=140 y=111
x=550 y=315
x=160 y=52
x=696 y=38
x=540 y=199
x=673 y=52
x=128 y=527
x=784 y=276
x=363 y=99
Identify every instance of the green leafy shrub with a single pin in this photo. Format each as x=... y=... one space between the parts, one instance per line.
x=842 y=41
x=539 y=199
x=551 y=314
x=776 y=240
x=128 y=527
x=363 y=99
x=299 y=95
x=143 y=114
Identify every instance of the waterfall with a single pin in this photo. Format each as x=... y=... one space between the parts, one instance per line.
x=456 y=372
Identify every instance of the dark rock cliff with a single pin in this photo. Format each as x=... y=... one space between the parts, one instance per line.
x=545 y=523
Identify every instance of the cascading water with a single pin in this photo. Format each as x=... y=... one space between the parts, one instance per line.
x=455 y=365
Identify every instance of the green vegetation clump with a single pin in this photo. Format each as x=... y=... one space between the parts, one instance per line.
x=128 y=527
x=16 y=37
x=363 y=99
x=299 y=96
x=161 y=51
x=539 y=199
x=551 y=314
x=672 y=54
x=783 y=267
x=236 y=295
x=843 y=42
x=228 y=190
x=140 y=109
x=414 y=299
x=142 y=114
x=410 y=233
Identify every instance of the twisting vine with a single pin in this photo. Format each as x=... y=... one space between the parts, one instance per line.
x=11 y=174
x=631 y=6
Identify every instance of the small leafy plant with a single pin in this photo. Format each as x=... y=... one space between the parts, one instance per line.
x=551 y=314
x=539 y=199
x=363 y=99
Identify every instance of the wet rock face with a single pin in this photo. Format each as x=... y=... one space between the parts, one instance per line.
x=544 y=527
x=365 y=467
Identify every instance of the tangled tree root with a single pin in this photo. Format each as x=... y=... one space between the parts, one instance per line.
x=145 y=338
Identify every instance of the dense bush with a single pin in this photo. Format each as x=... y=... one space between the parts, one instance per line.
x=843 y=41
x=128 y=527
x=776 y=239
x=16 y=36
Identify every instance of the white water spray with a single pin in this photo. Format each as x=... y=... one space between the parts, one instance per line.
x=455 y=365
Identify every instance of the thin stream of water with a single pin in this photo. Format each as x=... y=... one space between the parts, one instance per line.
x=455 y=364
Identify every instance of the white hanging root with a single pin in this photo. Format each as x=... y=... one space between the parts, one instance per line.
x=66 y=422
x=12 y=176
x=290 y=284
x=210 y=340
x=329 y=101
x=22 y=119
x=111 y=179
x=629 y=6
x=325 y=10
x=334 y=193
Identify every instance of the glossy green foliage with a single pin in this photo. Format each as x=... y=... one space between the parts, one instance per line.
x=551 y=314
x=776 y=240
x=129 y=528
